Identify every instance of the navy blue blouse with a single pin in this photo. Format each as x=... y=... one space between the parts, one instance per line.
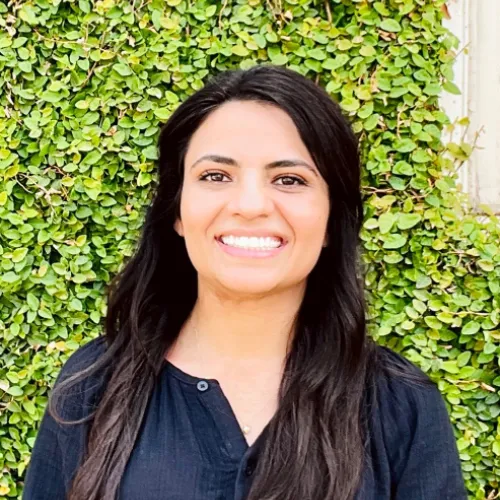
x=191 y=447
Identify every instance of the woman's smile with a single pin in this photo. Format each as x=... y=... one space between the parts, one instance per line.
x=251 y=246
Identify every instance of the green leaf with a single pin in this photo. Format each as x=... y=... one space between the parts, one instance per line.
x=403 y=168
x=371 y=122
x=10 y=277
x=496 y=447
x=239 y=50
x=433 y=322
x=432 y=89
x=151 y=153
x=489 y=348
x=317 y=53
x=404 y=145
x=450 y=366
x=122 y=69
x=486 y=265
x=349 y=104
x=471 y=328
x=366 y=110
x=407 y=221
x=279 y=59
x=344 y=44
x=463 y=358
x=367 y=51
x=28 y=13
x=15 y=391
x=386 y=221
x=19 y=254
x=143 y=179
x=29 y=407
x=390 y=25
x=260 y=40
x=32 y=300
x=420 y=156
x=162 y=114
x=393 y=241
x=393 y=257
x=451 y=88
x=76 y=304
x=484 y=358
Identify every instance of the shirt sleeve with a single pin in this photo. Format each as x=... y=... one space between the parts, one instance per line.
x=419 y=437
x=58 y=448
x=44 y=478
x=432 y=468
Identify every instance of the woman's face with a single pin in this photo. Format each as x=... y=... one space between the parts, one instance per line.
x=254 y=207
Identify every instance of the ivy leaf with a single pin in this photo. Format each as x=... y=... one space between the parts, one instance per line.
x=371 y=122
x=386 y=221
x=317 y=53
x=122 y=69
x=394 y=241
x=471 y=328
x=10 y=277
x=403 y=168
x=239 y=50
x=29 y=14
x=390 y=25
x=407 y=221
x=15 y=391
x=433 y=322
x=162 y=113
x=404 y=145
x=450 y=366
x=279 y=59
x=451 y=88
x=350 y=104
x=420 y=156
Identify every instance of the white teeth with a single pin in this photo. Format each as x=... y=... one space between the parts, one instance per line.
x=252 y=242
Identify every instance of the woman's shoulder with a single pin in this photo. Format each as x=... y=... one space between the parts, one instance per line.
x=79 y=383
x=402 y=384
x=412 y=430
x=83 y=357
x=406 y=400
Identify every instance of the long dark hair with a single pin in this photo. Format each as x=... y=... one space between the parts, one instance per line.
x=315 y=443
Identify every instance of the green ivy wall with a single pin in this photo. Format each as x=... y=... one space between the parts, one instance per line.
x=84 y=88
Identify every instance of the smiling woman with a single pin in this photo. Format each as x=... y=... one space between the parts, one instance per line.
x=235 y=362
x=246 y=193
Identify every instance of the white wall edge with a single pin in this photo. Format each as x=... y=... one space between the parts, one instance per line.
x=456 y=106
x=477 y=74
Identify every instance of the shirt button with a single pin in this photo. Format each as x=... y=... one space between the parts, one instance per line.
x=249 y=470
x=202 y=385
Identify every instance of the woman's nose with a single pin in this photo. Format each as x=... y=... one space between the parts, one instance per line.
x=251 y=198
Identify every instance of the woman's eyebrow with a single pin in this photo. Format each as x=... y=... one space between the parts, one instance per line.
x=275 y=164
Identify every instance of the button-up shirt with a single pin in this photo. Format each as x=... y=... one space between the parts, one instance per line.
x=191 y=447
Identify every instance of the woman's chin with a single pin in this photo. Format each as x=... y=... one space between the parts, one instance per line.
x=245 y=286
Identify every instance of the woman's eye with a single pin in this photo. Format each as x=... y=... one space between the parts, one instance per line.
x=288 y=180
x=213 y=177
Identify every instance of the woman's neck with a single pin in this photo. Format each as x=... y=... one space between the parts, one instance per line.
x=240 y=331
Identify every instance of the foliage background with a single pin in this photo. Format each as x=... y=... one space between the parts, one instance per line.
x=85 y=86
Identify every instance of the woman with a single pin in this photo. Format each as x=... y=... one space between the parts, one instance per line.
x=235 y=363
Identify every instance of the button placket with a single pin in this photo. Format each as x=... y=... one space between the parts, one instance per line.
x=249 y=470
x=202 y=385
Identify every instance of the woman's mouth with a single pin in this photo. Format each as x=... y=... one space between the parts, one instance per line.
x=251 y=246
x=252 y=242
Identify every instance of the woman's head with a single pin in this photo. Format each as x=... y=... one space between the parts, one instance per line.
x=262 y=153
x=249 y=120
x=254 y=207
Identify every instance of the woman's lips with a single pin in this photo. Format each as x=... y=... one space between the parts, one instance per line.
x=250 y=252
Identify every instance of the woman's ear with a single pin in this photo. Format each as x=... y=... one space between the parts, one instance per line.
x=179 y=228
